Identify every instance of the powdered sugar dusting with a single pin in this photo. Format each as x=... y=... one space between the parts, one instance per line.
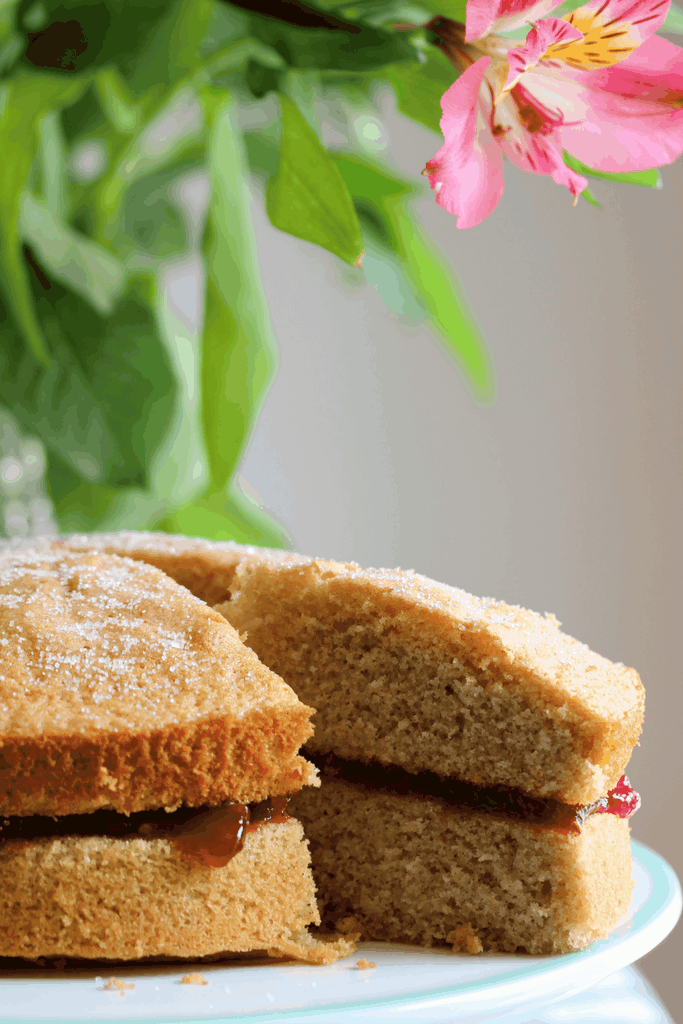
x=94 y=641
x=135 y=541
x=525 y=644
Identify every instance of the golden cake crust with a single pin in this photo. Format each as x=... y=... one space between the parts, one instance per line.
x=119 y=689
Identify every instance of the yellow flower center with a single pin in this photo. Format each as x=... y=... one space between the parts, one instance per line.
x=606 y=41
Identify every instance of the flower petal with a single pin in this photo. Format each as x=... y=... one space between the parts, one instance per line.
x=654 y=72
x=550 y=32
x=612 y=142
x=467 y=172
x=612 y=30
x=529 y=140
x=484 y=16
x=626 y=118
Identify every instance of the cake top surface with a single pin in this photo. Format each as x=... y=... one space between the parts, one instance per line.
x=133 y=543
x=516 y=642
x=522 y=644
x=93 y=642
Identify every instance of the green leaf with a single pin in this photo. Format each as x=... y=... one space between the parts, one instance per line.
x=227 y=517
x=10 y=39
x=79 y=506
x=262 y=151
x=81 y=265
x=308 y=197
x=673 y=22
x=650 y=179
x=84 y=266
x=382 y=11
x=385 y=199
x=590 y=198
x=390 y=276
x=419 y=87
x=151 y=220
x=443 y=299
x=361 y=48
x=146 y=153
x=83 y=34
x=189 y=34
x=456 y=10
x=189 y=31
x=238 y=352
x=24 y=100
x=103 y=403
x=117 y=101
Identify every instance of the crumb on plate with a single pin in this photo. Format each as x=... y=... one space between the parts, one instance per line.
x=118 y=983
x=464 y=939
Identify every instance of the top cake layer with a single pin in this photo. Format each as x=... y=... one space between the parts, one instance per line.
x=410 y=672
x=120 y=689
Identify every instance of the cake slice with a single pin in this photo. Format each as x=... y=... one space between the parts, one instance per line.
x=145 y=754
x=472 y=755
x=408 y=672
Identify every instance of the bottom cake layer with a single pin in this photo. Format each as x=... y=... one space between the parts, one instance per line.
x=100 y=897
x=416 y=869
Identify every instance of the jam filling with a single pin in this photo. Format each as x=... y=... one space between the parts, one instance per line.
x=209 y=835
x=500 y=800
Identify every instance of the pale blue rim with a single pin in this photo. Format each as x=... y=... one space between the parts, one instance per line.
x=650 y=925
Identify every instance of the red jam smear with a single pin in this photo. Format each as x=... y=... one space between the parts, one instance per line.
x=208 y=835
x=273 y=811
x=622 y=800
x=497 y=800
x=214 y=836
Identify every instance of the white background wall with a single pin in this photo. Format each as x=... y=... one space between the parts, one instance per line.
x=565 y=494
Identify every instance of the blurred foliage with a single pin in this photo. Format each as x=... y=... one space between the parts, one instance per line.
x=109 y=111
x=137 y=136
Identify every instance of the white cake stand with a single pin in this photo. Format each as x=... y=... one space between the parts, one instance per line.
x=408 y=984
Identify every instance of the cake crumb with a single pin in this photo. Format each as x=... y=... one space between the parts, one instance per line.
x=464 y=939
x=364 y=964
x=193 y=979
x=118 y=983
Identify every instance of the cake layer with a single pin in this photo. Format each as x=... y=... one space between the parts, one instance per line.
x=120 y=689
x=406 y=671
x=409 y=672
x=416 y=869
x=107 y=898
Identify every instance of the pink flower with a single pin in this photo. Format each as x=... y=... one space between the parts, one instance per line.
x=596 y=83
x=486 y=16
